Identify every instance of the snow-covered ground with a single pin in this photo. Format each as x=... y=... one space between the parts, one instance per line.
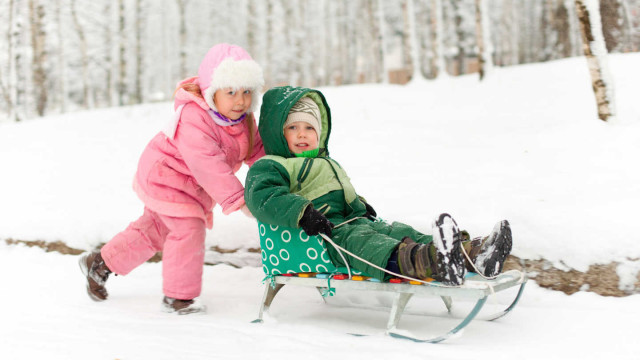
x=46 y=314
x=524 y=145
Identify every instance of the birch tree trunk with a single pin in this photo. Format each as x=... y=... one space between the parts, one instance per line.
x=139 y=76
x=514 y=33
x=39 y=57
x=251 y=28
x=574 y=28
x=268 y=68
x=413 y=43
x=122 y=66
x=372 y=36
x=384 y=67
x=83 y=54
x=20 y=74
x=62 y=64
x=483 y=39
x=461 y=56
x=596 y=53
x=441 y=67
x=628 y=37
x=108 y=56
x=328 y=53
x=182 y=5
x=11 y=94
x=612 y=20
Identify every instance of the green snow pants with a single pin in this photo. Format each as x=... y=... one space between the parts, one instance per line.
x=372 y=241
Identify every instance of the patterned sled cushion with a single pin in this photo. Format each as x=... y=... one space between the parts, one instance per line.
x=290 y=250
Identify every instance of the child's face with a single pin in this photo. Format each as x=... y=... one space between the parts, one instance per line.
x=232 y=103
x=301 y=137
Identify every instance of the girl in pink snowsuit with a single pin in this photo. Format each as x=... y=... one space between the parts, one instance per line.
x=183 y=173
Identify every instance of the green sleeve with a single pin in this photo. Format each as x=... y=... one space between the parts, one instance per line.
x=268 y=196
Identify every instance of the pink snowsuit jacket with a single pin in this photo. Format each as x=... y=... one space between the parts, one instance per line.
x=187 y=175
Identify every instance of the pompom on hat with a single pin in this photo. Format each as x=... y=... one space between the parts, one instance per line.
x=305 y=110
x=229 y=66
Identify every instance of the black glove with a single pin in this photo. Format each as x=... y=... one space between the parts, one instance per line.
x=370 y=214
x=314 y=223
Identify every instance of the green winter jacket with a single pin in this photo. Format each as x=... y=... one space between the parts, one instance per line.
x=280 y=186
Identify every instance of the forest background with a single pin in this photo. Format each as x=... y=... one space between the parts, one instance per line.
x=63 y=55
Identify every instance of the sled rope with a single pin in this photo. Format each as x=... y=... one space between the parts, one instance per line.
x=341 y=249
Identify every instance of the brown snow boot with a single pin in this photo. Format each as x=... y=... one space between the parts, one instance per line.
x=416 y=260
x=183 y=307
x=489 y=253
x=97 y=273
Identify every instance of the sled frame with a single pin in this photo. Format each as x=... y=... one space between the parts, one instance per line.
x=475 y=288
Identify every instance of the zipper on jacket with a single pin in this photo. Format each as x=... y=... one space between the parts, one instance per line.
x=304 y=171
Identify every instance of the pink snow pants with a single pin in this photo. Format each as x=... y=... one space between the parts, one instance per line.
x=181 y=241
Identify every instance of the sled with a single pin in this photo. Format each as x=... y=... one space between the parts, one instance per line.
x=290 y=257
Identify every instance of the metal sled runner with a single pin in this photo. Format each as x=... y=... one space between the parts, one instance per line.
x=474 y=288
x=290 y=257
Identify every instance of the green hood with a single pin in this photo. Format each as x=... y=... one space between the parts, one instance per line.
x=276 y=104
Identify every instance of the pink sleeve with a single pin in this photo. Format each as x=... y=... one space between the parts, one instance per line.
x=258 y=147
x=202 y=153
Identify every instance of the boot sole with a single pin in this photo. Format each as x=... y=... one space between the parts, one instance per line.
x=450 y=263
x=491 y=261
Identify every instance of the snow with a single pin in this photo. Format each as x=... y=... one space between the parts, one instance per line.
x=524 y=145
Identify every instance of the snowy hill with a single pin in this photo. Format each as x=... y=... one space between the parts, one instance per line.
x=525 y=145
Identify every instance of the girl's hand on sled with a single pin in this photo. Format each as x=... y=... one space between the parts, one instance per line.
x=314 y=223
x=245 y=210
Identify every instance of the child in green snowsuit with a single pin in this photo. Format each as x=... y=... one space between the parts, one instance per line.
x=298 y=185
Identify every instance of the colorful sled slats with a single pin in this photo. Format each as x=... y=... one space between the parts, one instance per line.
x=306 y=275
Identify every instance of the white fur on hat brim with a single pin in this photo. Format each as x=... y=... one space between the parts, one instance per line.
x=246 y=74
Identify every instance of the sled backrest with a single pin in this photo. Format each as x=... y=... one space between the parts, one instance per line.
x=290 y=250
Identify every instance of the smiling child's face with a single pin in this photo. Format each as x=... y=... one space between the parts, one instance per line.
x=301 y=137
x=232 y=103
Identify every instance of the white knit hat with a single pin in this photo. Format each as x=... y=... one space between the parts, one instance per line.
x=305 y=110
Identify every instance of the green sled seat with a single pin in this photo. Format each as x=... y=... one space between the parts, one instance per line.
x=288 y=250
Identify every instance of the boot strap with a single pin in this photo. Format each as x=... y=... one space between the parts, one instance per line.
x=424 y=265
x=405 y=263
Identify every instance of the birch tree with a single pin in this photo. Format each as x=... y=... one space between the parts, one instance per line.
x=82 y=42
x=182 y=18
x=441 y=67
x=61 y=80
x=413 y=42
x=122 y=60
x=39 y=55
x=108 y=54
x=17 y=74
x=483 y=39
x=384 y=76
x=612 y=21
x=10 y=94
x=139 y=53
x=596 y=53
